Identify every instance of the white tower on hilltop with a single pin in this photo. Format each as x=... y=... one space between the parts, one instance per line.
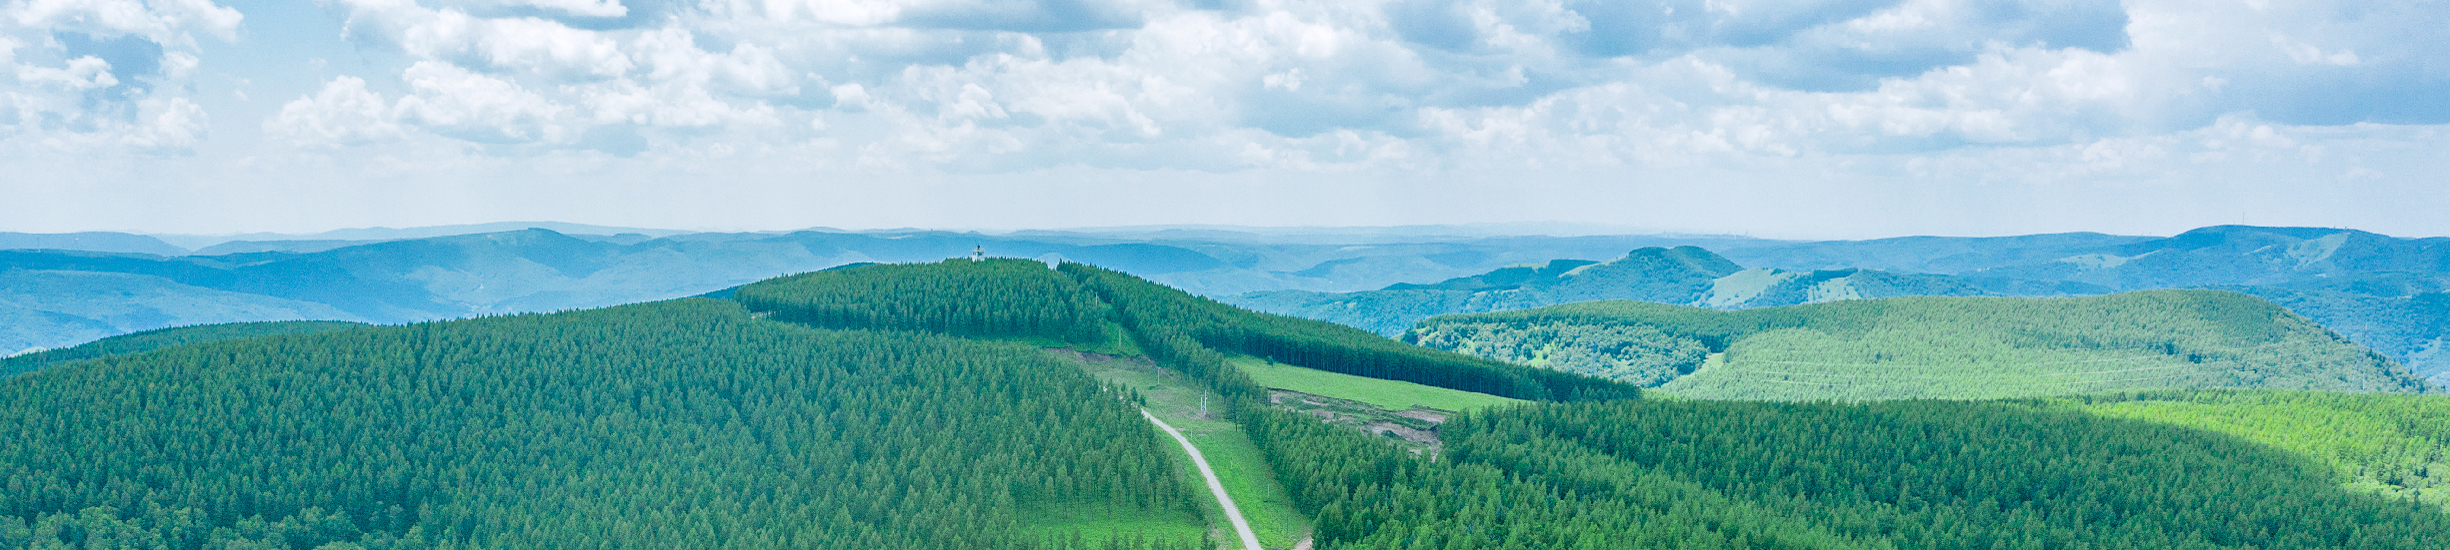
x=978 y=253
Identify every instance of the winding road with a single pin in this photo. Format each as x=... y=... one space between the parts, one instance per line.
x=1250 y=541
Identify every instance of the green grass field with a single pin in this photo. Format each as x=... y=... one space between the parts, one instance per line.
x=1238 y=464
x=1390 y=394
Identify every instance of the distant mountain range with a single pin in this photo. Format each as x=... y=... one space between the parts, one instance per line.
x=2383 y=292
x=66 y=289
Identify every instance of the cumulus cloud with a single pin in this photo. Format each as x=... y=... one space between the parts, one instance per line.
x=1375 y=86
x=80 y=75
x=343 y=113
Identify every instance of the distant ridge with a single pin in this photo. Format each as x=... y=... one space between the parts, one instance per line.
x=90 y=242
x=371 y=234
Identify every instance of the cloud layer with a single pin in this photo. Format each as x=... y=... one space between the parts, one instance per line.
x=864 y=100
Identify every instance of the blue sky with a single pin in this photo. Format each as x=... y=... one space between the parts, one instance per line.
x=1833 y=119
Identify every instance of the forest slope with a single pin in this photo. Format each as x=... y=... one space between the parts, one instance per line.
x=672 y=424
x=1960 y=348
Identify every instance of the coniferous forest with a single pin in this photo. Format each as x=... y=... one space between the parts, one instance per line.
x=666 y=425
x=912 y=406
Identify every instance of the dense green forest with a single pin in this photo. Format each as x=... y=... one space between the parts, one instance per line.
x=1890 y=475
x=1635 y=354
x=1931 y=347
x=162 y=338
x=664 y=425
x=1001 y=298
x=1075 y=302
x=698 y=422
x=2393 y=445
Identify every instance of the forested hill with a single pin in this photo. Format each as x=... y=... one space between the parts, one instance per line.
x=1927 y=347
x=1081 y=304
x=683 y=424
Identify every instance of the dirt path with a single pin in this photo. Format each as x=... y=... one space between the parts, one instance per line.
x=1250 y=540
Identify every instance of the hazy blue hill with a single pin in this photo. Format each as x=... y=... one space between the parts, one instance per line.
x=2246 y=255
x=378 y=234
x=1931 y=347
x=90 y=242
x=298 y=246
x=139 y=342
x=53 y=309
x=533 y=270
x=1682 y=275
x=1923 y=254
x=24 y=330
x=2219 y=255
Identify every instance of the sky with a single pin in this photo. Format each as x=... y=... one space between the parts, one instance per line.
x=1785 y=118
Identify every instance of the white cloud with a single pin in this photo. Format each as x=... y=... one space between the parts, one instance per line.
x=84 y=75
x=1411 y=90
x=167 y=22
x=172 y=123
x=343 y=113
x=588 y=8
x=460 y=103
x=524 y=44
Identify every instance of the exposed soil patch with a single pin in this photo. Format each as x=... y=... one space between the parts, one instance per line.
x=1417 y=426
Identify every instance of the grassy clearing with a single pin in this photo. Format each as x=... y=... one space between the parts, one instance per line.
x=1238 y=464
x=1390 y=394
x=1253 y=485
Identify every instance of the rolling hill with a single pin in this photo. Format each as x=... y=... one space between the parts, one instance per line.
x=918 y=406
x=1957 y=348
x=54 y=308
